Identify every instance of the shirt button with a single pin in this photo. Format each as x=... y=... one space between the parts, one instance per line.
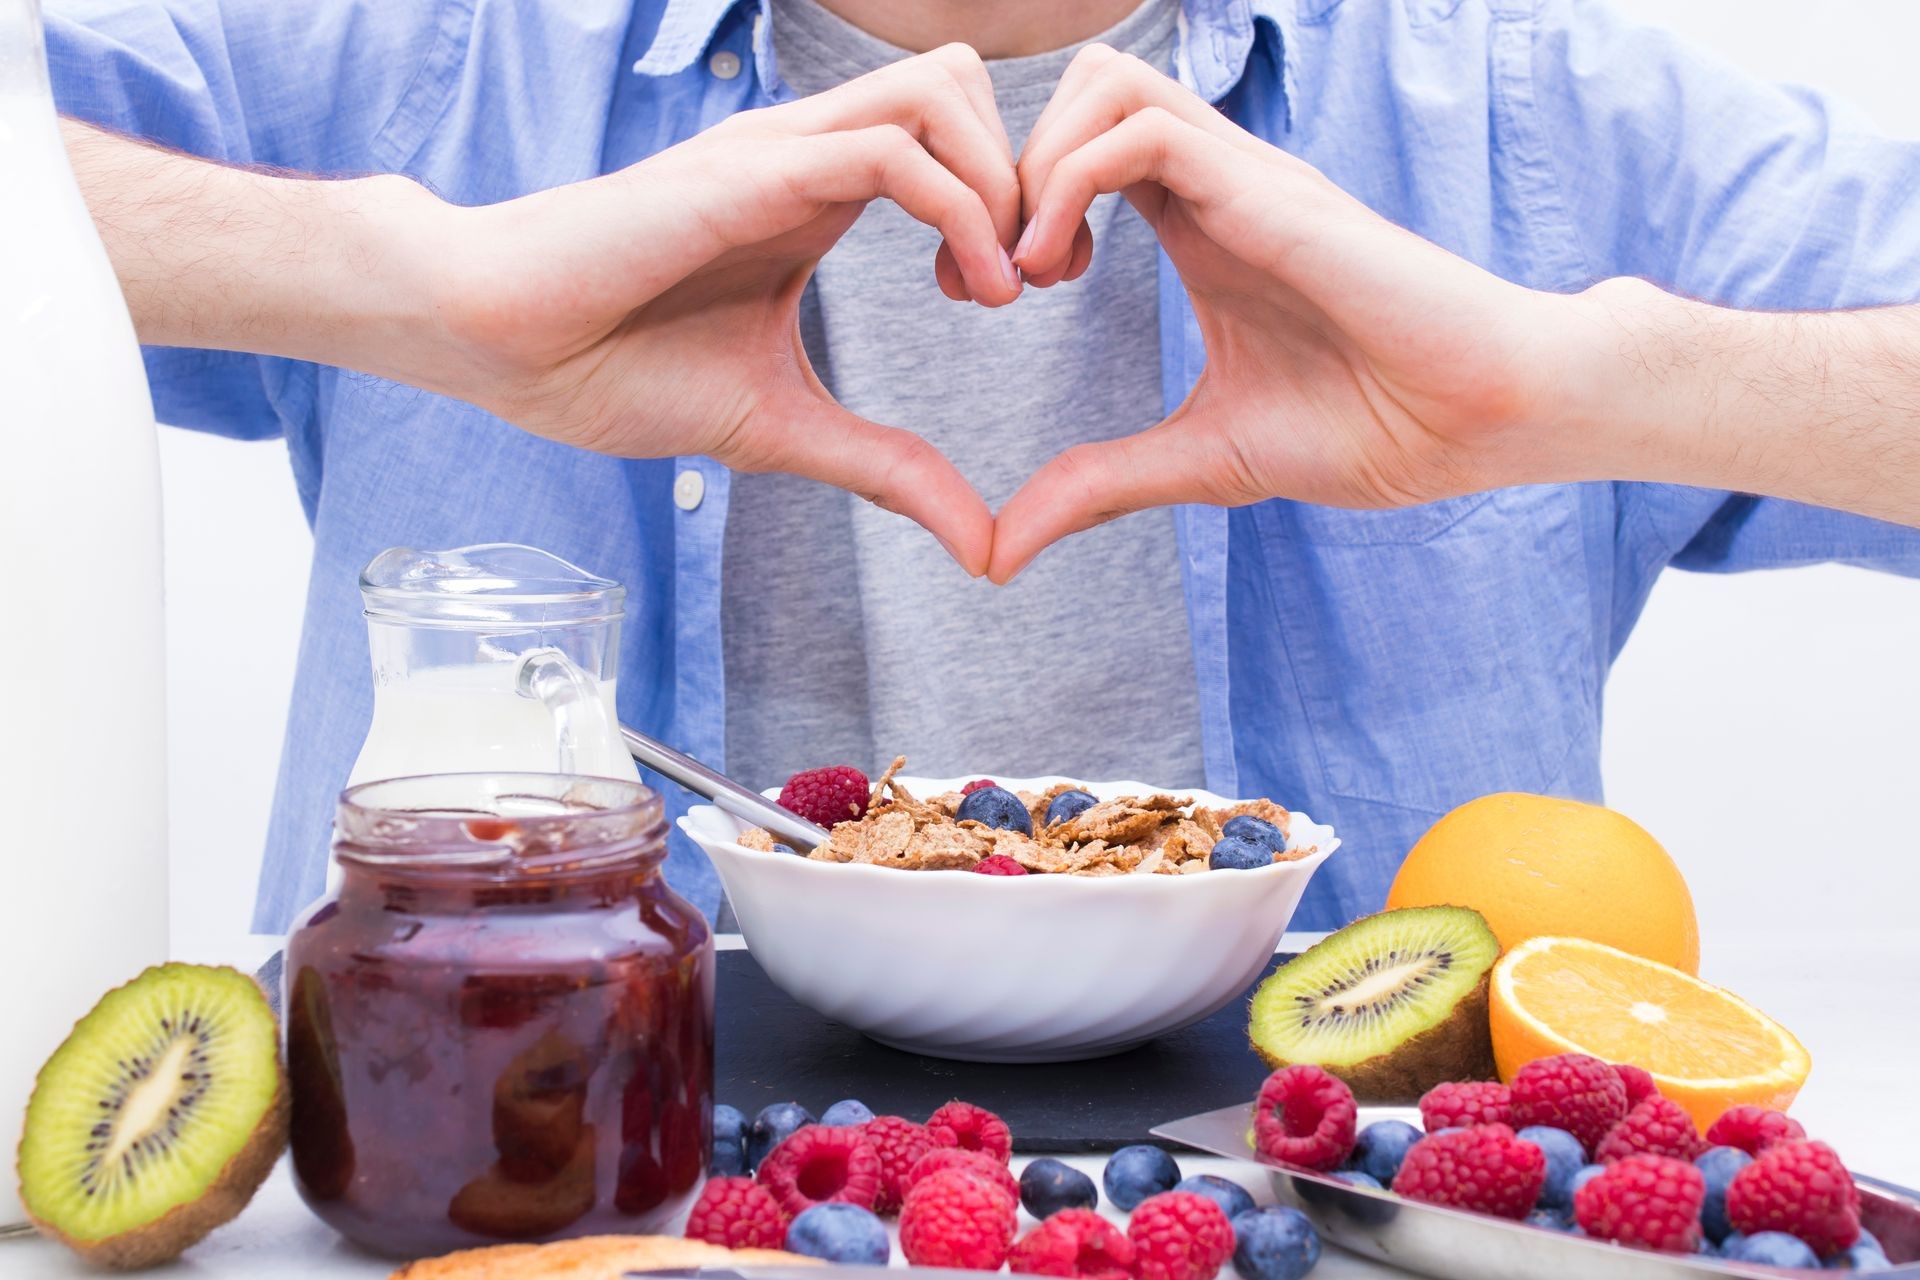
x=688 y=489
x=725 y=64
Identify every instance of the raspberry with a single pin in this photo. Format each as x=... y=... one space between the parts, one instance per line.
x=998 y=864
x=1305 y=1118
x=971 y=1128
x=899 y=1144
x=822 y=1163
x=978 y=784
x=1486 y=1169
x=1074 y=1242
x=978 y=1163
x=954 y=1219
x=826 y=796
x=1644 y=1202
x=1178 y=1235
x=738 y=1213
x=1466 y=1103
x=1570 y=1091
x=1639 y=1083
x=1753 y=1129
x=1800 y=1188
x=1658 y=1126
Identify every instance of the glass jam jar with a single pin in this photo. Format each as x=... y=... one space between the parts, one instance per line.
x=500 y=1026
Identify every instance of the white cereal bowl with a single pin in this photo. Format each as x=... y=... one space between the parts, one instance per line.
x=1032 y=968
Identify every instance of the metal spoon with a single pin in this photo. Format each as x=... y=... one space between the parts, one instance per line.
x=742 y=802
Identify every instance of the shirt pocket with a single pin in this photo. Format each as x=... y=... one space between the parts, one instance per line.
x=1441 y=652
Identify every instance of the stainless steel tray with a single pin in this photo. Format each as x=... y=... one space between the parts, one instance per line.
x=1454 y=1245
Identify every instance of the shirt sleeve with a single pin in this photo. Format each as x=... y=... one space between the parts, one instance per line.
x=334 y=88
x=1672 y=165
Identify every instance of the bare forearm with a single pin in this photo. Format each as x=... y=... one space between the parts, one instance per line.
x=235 y=259
x=1822 y=407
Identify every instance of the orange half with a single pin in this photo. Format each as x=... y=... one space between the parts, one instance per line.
x=1706 y=1048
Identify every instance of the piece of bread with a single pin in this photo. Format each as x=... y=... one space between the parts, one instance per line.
x=588 y=1258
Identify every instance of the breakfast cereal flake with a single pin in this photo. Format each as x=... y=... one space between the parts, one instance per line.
x=1133 y=835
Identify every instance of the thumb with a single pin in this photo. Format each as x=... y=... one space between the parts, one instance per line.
x=896 y=470
x=1091 y=484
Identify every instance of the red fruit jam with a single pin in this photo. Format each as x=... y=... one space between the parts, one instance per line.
x=500 y=1027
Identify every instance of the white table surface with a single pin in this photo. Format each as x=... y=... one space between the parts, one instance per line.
x=1850 y=999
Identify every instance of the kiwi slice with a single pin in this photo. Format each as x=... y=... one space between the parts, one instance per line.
x=158 y=1117
x=1393 y=1004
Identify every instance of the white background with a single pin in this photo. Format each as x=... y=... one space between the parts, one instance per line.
x=1763 y=726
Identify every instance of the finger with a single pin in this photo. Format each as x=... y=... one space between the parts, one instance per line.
x=970 y=73
x=946 y=273
x=1101 y=89
x=1150 y=146
x=895 y=470
x=1078 y=260
x=945 y=100
x=1091 y=484
x=886 y=161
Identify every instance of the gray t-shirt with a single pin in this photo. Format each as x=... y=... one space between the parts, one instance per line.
x=850 y=636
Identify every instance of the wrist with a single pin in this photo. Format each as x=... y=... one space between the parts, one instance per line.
x=382 y=278
x=1637 y=376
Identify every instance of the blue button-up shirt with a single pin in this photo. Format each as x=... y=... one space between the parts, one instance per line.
x=1373 y=668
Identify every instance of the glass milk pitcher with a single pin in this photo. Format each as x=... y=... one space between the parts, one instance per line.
x=495 y=658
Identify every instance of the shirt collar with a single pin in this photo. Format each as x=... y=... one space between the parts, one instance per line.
x=1215 y=37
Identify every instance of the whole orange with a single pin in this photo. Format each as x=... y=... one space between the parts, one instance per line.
x=1539 y=865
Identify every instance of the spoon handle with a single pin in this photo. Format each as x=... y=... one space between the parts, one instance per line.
x=730 y=796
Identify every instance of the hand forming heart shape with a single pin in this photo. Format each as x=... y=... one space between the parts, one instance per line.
x=654 y=312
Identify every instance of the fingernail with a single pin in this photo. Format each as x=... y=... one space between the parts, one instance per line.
x=1008 y=274
x=1026 y=239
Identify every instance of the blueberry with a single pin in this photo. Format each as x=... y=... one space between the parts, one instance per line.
x=773 y=1126
x=1581 y=1177
x=1047 y=1186
x=1258 y=830
x=782 y=848
x=1727 y=1245
x=1551 y=1219
x=1859 y=1258
x=1718 y=1165
x=1069 y=805
x=1274 y=1244
x=729 y=1142
x=1773 y=1249
x=1134 y=1173
x=1230 y=1196
x=1381 y=1147
x=848 y=1111
x=1237 y=853
x=1865 y=1255
x=1358 y=1178
x=995 y=807
x=840 y=1233
x=1565 y=1157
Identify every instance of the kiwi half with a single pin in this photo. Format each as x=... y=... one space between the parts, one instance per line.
x=158 y=1118
x=1393 y=1004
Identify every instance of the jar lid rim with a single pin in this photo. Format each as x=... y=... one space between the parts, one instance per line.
x=499 y=825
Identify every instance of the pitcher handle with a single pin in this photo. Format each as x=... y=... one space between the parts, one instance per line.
x=571 y=697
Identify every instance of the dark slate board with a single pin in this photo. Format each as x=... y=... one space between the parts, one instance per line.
x=771 y=1049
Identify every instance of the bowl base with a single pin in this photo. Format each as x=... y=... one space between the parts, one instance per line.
x=1012 y=1057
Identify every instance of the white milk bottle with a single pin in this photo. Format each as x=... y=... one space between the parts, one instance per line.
x=495 y=658
x=83 y=898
